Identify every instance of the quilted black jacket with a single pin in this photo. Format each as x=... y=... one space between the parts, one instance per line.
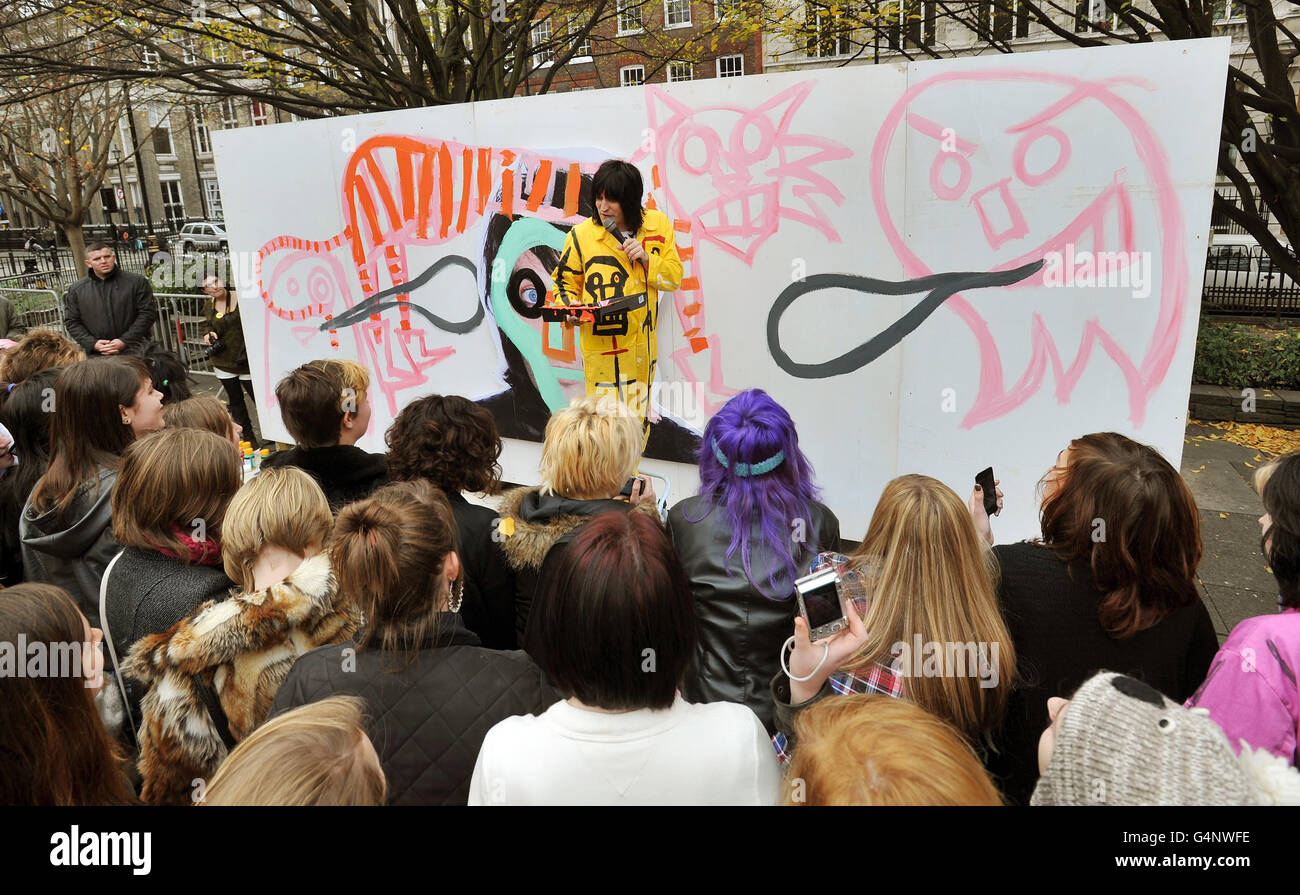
x=428 y=719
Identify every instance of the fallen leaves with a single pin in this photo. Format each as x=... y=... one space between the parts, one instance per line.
x=1265 y=439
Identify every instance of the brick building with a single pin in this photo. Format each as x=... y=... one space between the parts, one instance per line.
x=629 y=48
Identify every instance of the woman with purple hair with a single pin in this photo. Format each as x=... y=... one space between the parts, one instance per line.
x=755 y=527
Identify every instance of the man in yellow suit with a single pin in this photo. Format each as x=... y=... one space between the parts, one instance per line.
x=619 y=351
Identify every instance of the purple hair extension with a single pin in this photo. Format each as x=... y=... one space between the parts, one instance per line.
x=749 y=433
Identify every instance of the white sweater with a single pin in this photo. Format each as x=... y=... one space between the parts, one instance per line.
x=714 y=754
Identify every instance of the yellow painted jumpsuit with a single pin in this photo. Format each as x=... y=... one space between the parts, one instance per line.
x=619 y=354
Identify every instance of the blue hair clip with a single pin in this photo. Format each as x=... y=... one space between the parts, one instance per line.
x=749 y=469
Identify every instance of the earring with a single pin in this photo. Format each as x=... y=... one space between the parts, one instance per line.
x=125 y=421
x=455 y=595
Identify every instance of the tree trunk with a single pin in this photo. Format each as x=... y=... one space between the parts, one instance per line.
x=77 y=243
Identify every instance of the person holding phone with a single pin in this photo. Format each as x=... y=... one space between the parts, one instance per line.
x=928 y=581
x=625 y=250
x=1110 y=584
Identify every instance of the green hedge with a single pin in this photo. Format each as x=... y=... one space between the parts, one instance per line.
x=186 y=274
x=1239 y=356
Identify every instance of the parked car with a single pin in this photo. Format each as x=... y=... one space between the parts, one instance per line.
x=202 y=237
x=1238 y=262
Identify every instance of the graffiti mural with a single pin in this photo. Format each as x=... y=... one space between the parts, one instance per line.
x=914 y=260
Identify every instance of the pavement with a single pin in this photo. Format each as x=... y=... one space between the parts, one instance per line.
x=1233 y=576
x=1234 y=579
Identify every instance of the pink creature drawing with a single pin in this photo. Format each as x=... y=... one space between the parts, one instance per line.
x=752 y=173
x=983 y=218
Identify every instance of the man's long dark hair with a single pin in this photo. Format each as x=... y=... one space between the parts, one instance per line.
x=620 y=182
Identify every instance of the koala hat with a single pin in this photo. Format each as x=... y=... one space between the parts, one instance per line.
x=1122 y=743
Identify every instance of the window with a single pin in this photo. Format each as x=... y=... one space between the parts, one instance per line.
x=202 y=136
x=631 y=75
x=189 y=57
x=212 y=192
x=259 y=113
x=135 y=198
x=1093 y=14
x=827 y=35
x=1228 y=9
x=629 y=16
x=731 y=66
x=996 y=19
x=915 y=25
x=228 y=117
x=219 y=52
x=161 y=123
x=574 y=26
x=173 y=207
x=724 y=8
x=124 y=132
x=677 y=13
x=540 y=39
x=292 y=67
x=680 y=71
x=1022 y=18
x=151 y=59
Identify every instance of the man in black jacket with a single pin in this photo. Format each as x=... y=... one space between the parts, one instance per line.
x=111 y=310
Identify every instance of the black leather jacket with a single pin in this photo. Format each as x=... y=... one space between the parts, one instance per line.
x=741 y=630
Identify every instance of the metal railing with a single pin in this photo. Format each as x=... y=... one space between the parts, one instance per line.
x=1244 y=280
x=1221 y=223
x=180 y=325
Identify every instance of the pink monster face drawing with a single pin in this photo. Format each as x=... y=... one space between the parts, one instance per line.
x=737 y=172
x=302 y=284
x=983 y=164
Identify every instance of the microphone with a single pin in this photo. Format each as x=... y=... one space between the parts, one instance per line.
x=613 y=231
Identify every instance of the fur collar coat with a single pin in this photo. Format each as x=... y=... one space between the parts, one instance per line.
x=241 y=649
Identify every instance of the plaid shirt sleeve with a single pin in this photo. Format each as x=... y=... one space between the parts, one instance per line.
x=878 y=678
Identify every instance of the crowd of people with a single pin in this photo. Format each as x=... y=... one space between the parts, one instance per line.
x=351 y=628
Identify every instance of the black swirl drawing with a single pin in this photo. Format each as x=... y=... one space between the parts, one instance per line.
x=376 y=303
x=940 y=286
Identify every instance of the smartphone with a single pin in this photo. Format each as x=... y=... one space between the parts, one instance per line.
x=985 y=481
x=821 y=603
x=627 y=487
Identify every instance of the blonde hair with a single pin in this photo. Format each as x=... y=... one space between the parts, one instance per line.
x=355 y=377
x=282 y=506
x=313 y=755
x=929 y=575
x=1264 y=473
x=869 y=749
x=591 y=448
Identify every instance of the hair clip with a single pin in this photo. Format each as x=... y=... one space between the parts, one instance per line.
x=749 y=469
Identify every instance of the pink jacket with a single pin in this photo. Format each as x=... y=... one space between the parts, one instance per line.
x=1251 y=690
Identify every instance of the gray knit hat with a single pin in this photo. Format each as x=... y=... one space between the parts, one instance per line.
x=1122 y=743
